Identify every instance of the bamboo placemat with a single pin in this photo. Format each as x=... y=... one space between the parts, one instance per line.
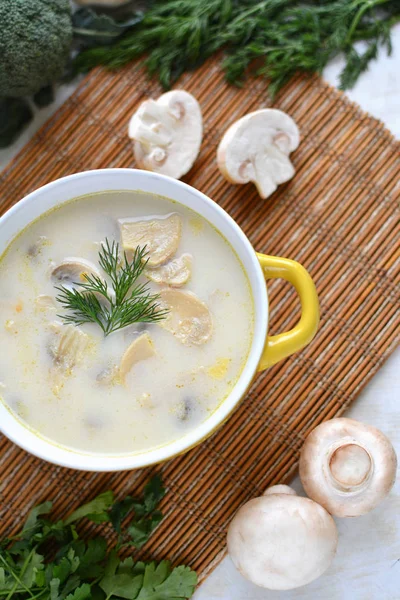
x=338 y=216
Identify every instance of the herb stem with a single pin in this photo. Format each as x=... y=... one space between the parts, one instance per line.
x=128 y=302
x=285 y=35
x=18 y=579
x=361 y=12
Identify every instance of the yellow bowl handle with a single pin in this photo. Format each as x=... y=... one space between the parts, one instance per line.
x=278 y=347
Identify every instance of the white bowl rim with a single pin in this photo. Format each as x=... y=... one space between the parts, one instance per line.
x=48 y=450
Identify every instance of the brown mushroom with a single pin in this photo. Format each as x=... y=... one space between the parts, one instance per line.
x=188 y=317
x=160 y=236
x=347 y=467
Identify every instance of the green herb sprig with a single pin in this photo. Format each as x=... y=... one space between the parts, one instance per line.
x=274 y=38
x=79 y=569
x=127 y=302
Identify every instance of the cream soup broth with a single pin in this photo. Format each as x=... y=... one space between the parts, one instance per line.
x=84 y=403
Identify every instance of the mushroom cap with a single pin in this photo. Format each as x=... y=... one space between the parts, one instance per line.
x=72 y=270
x=256 y=148
x=347 y=467
x=282 y=541
x=167 y=133
x=279 y=489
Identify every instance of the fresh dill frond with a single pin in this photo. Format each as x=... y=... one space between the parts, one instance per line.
x=126 y=302
x=274 y=38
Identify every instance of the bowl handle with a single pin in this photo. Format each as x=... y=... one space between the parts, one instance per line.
x=278 y=347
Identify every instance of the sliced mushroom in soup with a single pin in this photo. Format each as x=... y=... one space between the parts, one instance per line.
x=114 y=343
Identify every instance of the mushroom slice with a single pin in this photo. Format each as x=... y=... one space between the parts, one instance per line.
x=35 y=249
x=256 y=148
x=43 y=302
x=161 y=236
x=68 y=345
x=167 y=133
x=73 y=270
x=140 y=349
x=347 y=467
x=188 y=318
x=108 y=376
x=281 y=541
x=176 y=272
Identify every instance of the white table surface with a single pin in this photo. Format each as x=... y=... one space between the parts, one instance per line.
x=367 y=565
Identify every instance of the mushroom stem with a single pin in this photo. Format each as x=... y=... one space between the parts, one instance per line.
x=347 y=467
x=350 y=466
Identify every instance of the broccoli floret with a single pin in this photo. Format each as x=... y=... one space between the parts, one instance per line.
x=35 y=43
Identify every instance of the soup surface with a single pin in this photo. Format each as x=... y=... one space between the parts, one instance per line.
x=143 y=385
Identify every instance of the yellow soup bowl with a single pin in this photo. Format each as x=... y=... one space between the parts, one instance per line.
x=265 y=350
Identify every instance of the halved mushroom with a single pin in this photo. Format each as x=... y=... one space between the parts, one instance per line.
x=176 y=272
x=73 y=270
x=167 y=133
x=161 y=236
x=140 y=349
x=67 y=346
x=281 y=541
x=347 y=466
x=188 y=317
x=256 y=148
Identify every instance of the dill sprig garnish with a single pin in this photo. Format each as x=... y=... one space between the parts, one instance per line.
x=126 y=302
x=274 y=38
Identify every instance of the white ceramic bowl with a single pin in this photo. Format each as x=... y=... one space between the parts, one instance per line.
x=264 y=351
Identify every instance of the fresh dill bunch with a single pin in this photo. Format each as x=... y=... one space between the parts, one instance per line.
x=125 y=303
x=274 y=38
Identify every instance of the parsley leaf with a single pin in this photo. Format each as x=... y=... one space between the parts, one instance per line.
x=149 y=581
x=49 y=560
x=95 y=510
x=33 y=518
x=81 y=593
x=146 y=517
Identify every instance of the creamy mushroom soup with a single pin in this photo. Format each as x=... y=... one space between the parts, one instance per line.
x=103 y=387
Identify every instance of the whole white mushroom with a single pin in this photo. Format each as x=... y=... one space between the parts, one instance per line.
x=282 y=541
x=347 y=467
x=256 y=148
